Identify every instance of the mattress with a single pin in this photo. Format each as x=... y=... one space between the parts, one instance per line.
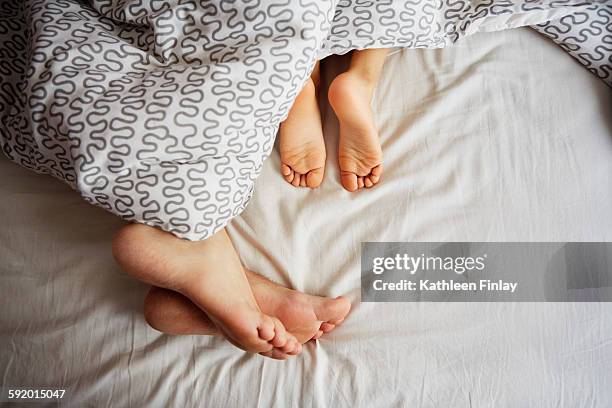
x=502 y=137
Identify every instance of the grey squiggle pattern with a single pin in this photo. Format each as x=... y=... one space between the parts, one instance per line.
x=163 y=111
x=587 y=36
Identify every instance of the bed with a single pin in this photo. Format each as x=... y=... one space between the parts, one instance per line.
x=503 y=137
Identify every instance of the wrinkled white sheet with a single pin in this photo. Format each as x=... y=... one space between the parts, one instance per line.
x=502 y=138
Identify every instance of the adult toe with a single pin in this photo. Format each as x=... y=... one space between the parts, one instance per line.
x=280 y=334
x=332 y=310
x=317 y=335
x=266 y=328
x=327 y=327
x=290 y=345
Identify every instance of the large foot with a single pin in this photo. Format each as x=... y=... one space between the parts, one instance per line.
x=359 y=151
x=209 y=273
x=305 y=316
x=302 y=149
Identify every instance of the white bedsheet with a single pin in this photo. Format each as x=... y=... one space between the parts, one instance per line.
x=501 y=138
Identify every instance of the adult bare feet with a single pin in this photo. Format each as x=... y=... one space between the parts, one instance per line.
x=170 y=312
x=301 y=145
x=305 y=316
x=210 y=274
x=359 y=150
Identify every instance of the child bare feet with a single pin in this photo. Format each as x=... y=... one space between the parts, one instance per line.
x=359 y=151
x=305 y=316
x=350 y=95
x=301 y=145
x=209 y=273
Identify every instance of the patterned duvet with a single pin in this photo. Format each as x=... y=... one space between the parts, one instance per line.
x=163 y=112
